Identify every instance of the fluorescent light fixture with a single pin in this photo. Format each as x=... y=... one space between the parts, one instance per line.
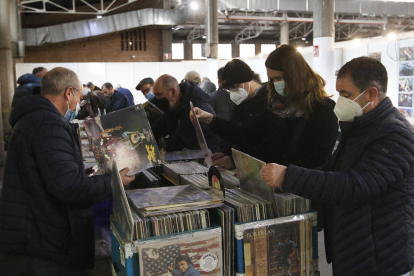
x=392 y=36
x=194 y=6
x=99 y=16
x=303 y=38
x=204 y=37
x=357 y=41
x=299 y=49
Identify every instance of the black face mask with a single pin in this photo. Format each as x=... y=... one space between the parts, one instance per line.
x=162 y=103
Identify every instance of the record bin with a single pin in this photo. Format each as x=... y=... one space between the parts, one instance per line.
x=126 y=254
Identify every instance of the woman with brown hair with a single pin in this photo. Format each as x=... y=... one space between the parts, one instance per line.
x=297 y=124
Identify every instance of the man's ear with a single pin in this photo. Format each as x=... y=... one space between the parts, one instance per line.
x=373 y=94
x=67 y=93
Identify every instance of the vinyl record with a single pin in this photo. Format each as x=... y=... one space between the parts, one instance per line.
x=215 y=181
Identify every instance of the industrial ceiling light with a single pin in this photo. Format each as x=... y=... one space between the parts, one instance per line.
x=303 y=38
x=299 y=49
x=392 y=36
x=99 y=16
x=260 y=55
x=204 y=37
x=357 y=41
x=193 y=6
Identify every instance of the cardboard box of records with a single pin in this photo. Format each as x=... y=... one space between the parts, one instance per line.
x=156 y=231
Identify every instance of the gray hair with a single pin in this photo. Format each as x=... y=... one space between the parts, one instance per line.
x=170 y=82
x=57 y=80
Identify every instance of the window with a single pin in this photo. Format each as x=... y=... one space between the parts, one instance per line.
x=198 y=51
x=177 y=51
x=133 y=40
x=268 y=48
x=224 y=51
x=247 y=50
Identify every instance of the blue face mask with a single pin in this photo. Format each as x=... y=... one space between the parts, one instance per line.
x=70 y=115
x=279 y=87
x=150 y=95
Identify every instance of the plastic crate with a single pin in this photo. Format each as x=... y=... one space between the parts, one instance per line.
x=101 y=212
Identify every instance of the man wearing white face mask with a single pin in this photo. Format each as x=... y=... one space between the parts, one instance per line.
x=367 y=187
x=46 y=202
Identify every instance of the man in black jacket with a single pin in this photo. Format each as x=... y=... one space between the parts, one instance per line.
x=175 y=122
x=367 y=190
x=46 y=202
x=27 y=83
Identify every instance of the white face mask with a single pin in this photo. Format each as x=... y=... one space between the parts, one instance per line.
x=279 y=87
x=346 y=110
x=239 y=96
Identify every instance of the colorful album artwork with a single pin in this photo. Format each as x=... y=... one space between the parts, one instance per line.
x=407 y=112
x=124 y=136
x=405 y=85
x=406 y=53
x=405 y=99
x=406 y=69
x=197 y=253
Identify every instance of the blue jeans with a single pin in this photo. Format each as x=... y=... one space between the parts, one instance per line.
x=48 y=268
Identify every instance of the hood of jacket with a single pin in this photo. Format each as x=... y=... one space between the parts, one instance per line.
x=30 y=104
x=28 y=78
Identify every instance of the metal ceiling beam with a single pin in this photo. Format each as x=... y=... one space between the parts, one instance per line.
x=253 y=30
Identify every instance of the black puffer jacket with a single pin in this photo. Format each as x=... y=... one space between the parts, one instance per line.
x=177 y=124
x=26 y=84
x=46 y=200
x=370 y=229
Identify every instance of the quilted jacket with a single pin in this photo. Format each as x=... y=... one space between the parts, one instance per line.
x=369 y=196
x=46 y=200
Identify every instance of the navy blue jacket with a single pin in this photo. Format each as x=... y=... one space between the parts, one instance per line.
x=46 y=200
x=177 y=124
x=26 y=84
x=221 y=103
x=127 y=93
x=369 y=196
x=116 y=102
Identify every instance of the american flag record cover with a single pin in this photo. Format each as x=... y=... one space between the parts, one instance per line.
x=197 y=253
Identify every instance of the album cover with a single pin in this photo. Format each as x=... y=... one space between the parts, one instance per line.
x=405 y=99
x=124 y=136
x=405 y=85
x=406 y=53
x=201 y=140
x=194 y=253
x=248 y=171
x=408 y=113
x=278 y=249
x=406 y=69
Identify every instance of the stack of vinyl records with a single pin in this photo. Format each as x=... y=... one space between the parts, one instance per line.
x=248 y=207
x=146 y=179
x=167 y=200
x=174 y=170
x=198 y=180
x=290 y=204
x=169 y=224
x=224 y=216
x=230 y=180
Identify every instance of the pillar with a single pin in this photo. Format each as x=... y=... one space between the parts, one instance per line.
x=211 y=23
x=6 y=72
x=284 y=33
x=188 y=50
x=324 y=42
x=235 y=49
x=257 y=48
x=167 y=39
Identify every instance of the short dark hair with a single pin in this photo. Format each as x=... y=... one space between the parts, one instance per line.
x=366 y=72
x=143 y=82
x=185 y=258
x=107 y=85
x=37 y=70
x=220 y=73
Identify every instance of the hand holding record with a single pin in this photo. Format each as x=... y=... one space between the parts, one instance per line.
x=201 y=115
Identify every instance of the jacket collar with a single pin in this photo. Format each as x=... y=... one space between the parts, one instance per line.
x=379 y=112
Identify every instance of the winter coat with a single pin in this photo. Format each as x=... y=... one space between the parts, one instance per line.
x=46 y=200
x=128 y=94
x=221 y=103
x=258 y=132
x=369 y=227
x=116 y=102
x=177 y=124
x=26 y=84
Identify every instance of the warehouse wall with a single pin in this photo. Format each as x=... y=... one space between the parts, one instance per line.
x=105 y=48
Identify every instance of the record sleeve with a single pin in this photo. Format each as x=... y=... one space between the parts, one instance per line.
x=248 y=171
x=193 y=253
x=201 y=139
x=125 y=136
